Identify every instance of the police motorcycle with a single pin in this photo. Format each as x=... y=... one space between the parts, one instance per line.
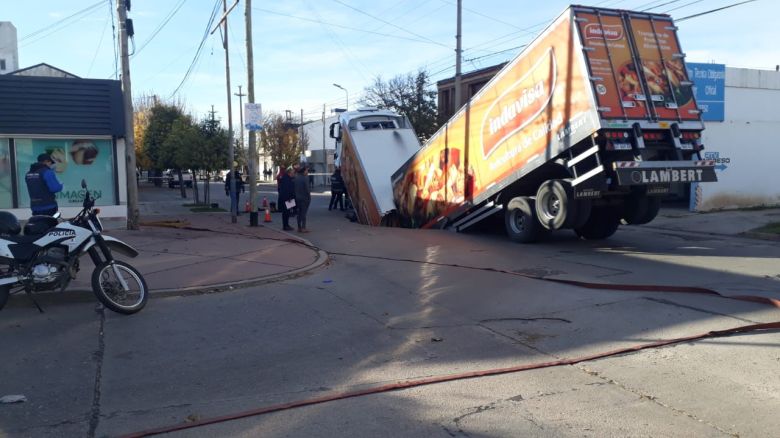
x=46 y=257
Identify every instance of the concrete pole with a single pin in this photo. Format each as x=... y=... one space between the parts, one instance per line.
x=324 y=151
x=231 y=148
x=458 y=53
x=127 y=98
x=250 y=89
x=241 y=111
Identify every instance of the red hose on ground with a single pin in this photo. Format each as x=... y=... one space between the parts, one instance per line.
x=445 y=378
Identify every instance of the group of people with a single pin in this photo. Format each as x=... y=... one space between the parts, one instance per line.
x=294 y=195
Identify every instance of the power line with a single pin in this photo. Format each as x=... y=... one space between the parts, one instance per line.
x=390 y=24
x=683 y=6
x=100 y=44
x=656 y=6
x=59 y=25
x=160 y=26
x=484 y=16
x=341 y=26
x=199 y=49
x=113 y=30
x=713 y=10
x=63 y=20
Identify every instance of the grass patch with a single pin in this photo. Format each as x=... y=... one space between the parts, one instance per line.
x=206 y=209
x=770 y=228
x=193 y=204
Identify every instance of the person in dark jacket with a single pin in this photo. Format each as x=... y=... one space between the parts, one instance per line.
x=336 y=190
x=302 y=197
x=234 y=196
x=42 y=184
x=286 y=193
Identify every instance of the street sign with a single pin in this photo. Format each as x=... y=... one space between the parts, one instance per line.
x=709 y=85
x=253 y=116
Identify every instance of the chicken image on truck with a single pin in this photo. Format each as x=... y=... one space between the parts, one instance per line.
x=370 y=145
x=586 y=129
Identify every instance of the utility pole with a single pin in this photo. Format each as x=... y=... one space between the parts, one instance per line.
x=251 y=147
x=127 y=98
x=324 y=152
x=231 y=149
x=241 y=112
x=458 y=53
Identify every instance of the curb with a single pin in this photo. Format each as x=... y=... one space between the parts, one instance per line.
x=86 y=295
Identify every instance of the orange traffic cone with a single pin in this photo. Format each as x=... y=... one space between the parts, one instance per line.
x=267 y=214
x=247 y=209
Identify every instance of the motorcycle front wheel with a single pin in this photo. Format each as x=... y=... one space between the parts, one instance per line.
x=120 y=287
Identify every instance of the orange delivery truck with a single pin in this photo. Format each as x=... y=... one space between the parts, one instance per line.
x=586 y=129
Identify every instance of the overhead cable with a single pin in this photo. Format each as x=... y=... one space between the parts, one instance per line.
x=713 y=10
x=391 y=24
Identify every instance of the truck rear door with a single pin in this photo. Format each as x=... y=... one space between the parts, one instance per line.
x=662 y=67
x=613 y=68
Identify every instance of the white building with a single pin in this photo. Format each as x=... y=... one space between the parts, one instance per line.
x=745 y=144
x=320 y=145
x=9 y=50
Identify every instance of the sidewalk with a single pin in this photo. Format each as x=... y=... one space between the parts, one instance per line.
x=727 y=223
x=205 y=252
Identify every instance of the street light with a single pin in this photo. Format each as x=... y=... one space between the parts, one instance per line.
x=345 y=90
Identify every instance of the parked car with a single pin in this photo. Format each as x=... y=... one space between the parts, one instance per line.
x=172 y=178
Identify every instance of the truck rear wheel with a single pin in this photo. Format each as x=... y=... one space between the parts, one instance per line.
x=521 y=222
x=555 y=204
x=602 y=223
x=640 y=209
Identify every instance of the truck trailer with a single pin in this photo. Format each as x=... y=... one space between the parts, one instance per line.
x=587 y=128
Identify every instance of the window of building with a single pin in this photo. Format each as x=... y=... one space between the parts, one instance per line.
x=2 y=64
x=6 y=193
x=91 y=160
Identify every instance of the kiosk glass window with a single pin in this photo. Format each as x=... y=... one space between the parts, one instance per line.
x=6 y=187
x=91 y=160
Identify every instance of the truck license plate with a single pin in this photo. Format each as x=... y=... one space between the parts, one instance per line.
x=621 y=146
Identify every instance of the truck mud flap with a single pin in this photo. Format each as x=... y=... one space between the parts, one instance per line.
x=636 y=173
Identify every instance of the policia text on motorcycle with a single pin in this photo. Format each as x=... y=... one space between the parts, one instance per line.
x=42 y=184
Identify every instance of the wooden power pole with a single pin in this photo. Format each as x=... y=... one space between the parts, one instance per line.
x=250 y=89
x=127 y=98
x=458 y=53
x=231 y=148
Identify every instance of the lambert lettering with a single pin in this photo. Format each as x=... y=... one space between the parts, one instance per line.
x=666 y=176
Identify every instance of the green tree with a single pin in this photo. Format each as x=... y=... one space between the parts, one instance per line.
x=409 y=95
x=179 y=145
x=211 y=152
x=159 y=123
x=280 y=140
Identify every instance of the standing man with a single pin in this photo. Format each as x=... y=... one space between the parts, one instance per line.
x=42 y=184
x=302 y=197
x=239 y=188
x=336 y=190
x=286 y=193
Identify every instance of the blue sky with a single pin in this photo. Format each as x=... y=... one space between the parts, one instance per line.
x=302 y=47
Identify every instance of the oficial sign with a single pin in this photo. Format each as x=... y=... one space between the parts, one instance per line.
x=709 y=87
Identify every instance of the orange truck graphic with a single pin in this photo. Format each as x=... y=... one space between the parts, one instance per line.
x=586 y=129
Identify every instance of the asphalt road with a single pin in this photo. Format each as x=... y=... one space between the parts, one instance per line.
x=395 y=305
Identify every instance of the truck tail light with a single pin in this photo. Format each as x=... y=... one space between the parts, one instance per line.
x=690 y=135
x=653 y=136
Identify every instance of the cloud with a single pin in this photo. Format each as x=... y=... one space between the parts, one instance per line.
x=55 y=14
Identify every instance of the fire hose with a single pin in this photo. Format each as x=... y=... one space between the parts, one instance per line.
x=406 y=384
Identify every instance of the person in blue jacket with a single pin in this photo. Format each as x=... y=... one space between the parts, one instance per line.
x=42 y=184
